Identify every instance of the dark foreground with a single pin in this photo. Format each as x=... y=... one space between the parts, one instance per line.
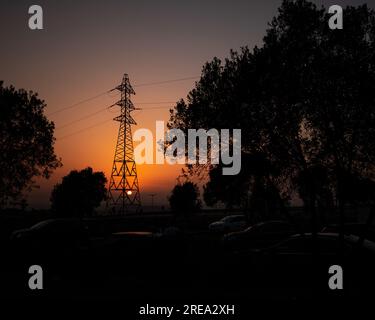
x=134 y=269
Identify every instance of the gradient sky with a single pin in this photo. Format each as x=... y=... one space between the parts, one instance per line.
x=85 y=48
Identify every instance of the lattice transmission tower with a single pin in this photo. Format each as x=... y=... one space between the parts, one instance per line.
x=123 y=191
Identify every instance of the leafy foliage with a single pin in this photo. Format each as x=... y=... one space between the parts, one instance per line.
x=305 y=104
x=79 y=193
x=26 y=143
x=184 y=198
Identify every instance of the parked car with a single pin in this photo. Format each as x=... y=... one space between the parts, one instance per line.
x=260 y=235
x=303 y=260
x=51 y=237
x=357 y=229
x=228 y=223
x=133 y=252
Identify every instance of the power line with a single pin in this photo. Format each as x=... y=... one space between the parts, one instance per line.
x=165 y=81
x=160 y=102
x=105 y=109
x=84 y=129
x=101 y=110
x=97 y=124
x=108 y=91
x=77 y=103
x=161 y=107
x=81 y=119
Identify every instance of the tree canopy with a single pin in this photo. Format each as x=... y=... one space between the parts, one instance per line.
x=79 y=193
x=26 y=143
x=184 y=198
x=304 y=101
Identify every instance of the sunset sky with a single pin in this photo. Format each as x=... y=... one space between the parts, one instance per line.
x=86 y=47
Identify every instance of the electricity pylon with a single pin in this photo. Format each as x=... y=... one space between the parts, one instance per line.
x=123 y=191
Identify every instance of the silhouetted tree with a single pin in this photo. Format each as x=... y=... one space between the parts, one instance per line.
x=304 y=101
x=250 y=189
x=79 y=193
x=26 y=143
x=184 y=198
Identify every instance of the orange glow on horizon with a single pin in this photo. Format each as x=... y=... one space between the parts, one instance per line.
x=84 y=144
